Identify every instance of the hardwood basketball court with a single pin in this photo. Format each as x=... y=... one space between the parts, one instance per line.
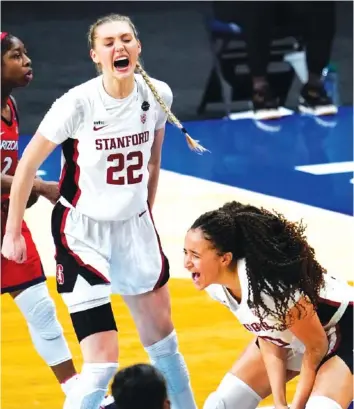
x=209 y=336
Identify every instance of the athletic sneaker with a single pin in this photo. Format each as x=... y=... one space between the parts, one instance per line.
x=265 y=106
x=314 y=100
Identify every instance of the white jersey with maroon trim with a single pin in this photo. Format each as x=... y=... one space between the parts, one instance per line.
x=332 y=295
x=106 y=146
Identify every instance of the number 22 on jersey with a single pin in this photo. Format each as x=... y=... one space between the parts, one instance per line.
x=125 y=169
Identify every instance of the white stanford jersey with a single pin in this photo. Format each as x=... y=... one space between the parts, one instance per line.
x=106 y=146
x=332 y=296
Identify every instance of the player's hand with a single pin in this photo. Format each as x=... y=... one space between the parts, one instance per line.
x=50 y=190
x=14 y=247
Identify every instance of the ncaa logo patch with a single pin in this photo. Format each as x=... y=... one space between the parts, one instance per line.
x=60 y=274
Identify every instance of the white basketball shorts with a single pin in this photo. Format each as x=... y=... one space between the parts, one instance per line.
x=97 y=258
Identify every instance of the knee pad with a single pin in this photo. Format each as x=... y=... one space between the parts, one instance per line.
x=47 y=334
x=93 y=320
x=165 y=357
x=316 y=402
x=38 y=309
x=232 y=393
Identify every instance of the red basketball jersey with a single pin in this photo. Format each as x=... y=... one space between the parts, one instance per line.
x=9 y=144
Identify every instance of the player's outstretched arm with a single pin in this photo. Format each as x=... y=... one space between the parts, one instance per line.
x=6 y=183
x=24 y=180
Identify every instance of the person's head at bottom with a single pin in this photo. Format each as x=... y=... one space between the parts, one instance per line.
x=140 y=386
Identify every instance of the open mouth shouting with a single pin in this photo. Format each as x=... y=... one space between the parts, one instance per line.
x=121 y=64
x=195 y=277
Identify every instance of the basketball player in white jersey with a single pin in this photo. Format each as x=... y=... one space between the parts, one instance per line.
x=260 y=266
x=111 y=130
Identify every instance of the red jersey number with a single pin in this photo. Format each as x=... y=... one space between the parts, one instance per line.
x=126 y=169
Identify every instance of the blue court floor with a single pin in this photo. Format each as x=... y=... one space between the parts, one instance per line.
x=278 y=158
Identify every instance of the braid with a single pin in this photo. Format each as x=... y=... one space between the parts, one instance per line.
x=193 y=144
x=279 y=261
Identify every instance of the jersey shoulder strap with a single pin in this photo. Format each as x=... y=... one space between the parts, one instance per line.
x=14 y=104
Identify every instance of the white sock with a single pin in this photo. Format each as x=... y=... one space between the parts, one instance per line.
x=108 y=400
x=69 y=384
x=89 y=390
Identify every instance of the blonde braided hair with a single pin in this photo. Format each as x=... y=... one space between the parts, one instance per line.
x=192 y=143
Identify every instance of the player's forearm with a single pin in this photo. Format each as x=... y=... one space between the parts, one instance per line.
x=22 y=185
x=274 y=358
x=310 y=363
x=6 y=182
x=154 y=173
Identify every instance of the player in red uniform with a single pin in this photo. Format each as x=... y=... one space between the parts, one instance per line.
x=25 y=282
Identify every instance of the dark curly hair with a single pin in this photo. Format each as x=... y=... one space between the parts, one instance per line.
x=279 y=261
x=140 y=386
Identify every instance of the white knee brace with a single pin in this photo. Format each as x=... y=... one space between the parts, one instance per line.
x=322 y=402
x=232 y=393
x=165 y=356
x=47 y=334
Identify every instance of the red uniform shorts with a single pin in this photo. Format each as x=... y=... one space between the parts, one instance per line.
x=16 y=276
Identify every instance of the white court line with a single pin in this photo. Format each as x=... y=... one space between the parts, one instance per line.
x=327 y=168
x=234 y=116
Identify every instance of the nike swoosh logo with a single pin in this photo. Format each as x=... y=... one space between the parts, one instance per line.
x=97 y=128
x=140 y=214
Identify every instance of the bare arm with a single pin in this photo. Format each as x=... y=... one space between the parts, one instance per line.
x=311 y=333
x=274 y=358
x=24 y=181
x=38 y=187
x=154 y=165
x=6 y=183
